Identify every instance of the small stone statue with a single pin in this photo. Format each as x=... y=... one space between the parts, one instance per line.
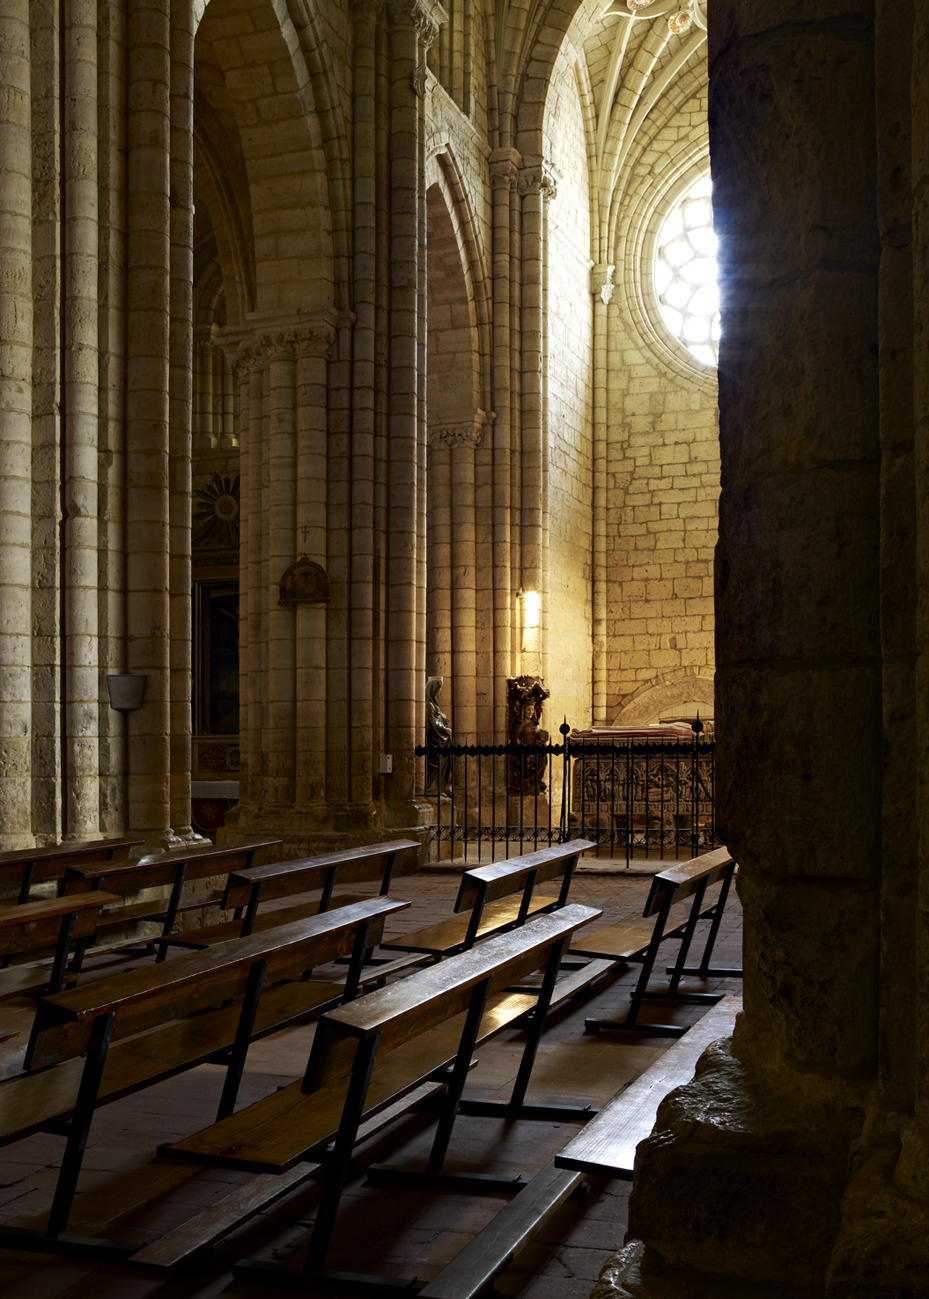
x=438 y=735
x=526 y=698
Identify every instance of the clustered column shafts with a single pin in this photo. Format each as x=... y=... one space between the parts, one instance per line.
x=181 y=407
x=404 y=578
x=364 y=469
x=147 y=413
x=15 y=425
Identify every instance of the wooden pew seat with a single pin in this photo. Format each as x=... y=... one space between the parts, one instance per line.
x=492 y=899
x=50 y=923
x=245 y=891
x=607 y=1145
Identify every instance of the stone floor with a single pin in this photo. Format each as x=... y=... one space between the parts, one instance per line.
x=126 y=1192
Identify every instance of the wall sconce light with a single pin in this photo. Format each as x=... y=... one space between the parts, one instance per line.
x=531 y=606
x=127 y=691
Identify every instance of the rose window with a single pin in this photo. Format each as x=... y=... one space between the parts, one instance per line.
x=685 y=273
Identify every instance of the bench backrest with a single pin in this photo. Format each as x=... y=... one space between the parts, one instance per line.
x=133 y=876
x=285 y=879
x=50 y=863
x=153 y=995
x=429 y=997
x=503 y=879
x=679 y=882
x=33 y=925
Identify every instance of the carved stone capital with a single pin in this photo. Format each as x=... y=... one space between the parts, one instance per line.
x=423 y=16
x=541 y=179
x=503 y=175
x=601 y=281
x=459 y=430
x=250 y=356
x=362 y=9
x=315 y=340
x=280 y=346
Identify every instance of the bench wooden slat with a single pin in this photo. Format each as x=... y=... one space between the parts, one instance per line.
x=278 y=880
x=131 y=877
x=34 y=925
x=212 y=1224
x=494 y=1248
x=503 y=878
x=607 y=1145
x=274 y=1134
x=622 y=941
x=62 y=1025
x=447 y=935
x=223 y=930
x=61 y=853
x=683 y=880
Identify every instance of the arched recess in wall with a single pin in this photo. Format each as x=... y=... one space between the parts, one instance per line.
x=456 y=423
x=677 y=697
x=263 y=164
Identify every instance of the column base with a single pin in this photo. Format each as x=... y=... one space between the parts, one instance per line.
x=742 y=1180
x=311 y=829
x=636 y=1272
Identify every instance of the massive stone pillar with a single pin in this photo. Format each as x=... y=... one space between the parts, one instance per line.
x=601 y=286
x=798 y=1158
x=15 y=427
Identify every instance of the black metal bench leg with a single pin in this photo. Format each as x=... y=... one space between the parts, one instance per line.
x=243 y=1037
x=341 y=1155
x=704 y=970
x=630 y=1023
x=61 y=953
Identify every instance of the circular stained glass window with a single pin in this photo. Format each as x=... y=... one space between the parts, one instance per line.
x=685 y=273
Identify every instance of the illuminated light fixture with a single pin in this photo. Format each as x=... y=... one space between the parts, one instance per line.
x=127 y=691
x=531 y=605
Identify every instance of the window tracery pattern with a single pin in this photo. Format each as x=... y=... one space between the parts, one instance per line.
x=685 y=273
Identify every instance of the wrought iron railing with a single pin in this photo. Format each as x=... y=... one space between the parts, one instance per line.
x=634 y=796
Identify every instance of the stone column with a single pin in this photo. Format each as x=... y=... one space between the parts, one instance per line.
x=313 y=349
x=601 y=286
x=503 y=177
x=147 y=387
x=440 y=632
x=536 y=184
x=412 y=27
x=748 y=1185
x=81 y=706
x=15 y=427
x=248 y=650
x=463 y=574
x=181 y=408
x=281 y=510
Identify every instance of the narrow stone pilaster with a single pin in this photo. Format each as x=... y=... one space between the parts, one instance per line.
x=281 y=511
x=81 y=706
x=15 y=427
x=503 y=177
x=313 y=348
x=536 y=185
x=601 y=286
x=181 y=398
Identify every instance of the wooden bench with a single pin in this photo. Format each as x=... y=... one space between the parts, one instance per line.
x=637 y=940
x=116 y=1035
x=605 y=1147
x=31 y=927
x=28 y=866
x=497 y=898
x=245 y=891
x=171 y=871
x=366 y=1056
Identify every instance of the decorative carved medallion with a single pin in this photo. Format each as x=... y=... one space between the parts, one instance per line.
x=216 y=518
x=305 y=582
